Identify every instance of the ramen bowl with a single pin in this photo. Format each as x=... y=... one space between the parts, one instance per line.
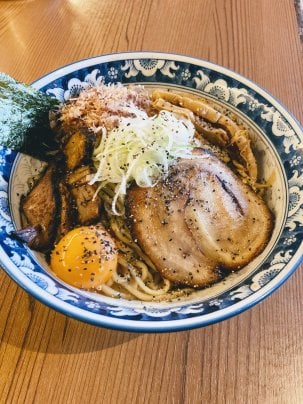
x=278 y=145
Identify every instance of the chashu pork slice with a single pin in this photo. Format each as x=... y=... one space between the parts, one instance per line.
x=228 y=220
x=199 y=219
x=157 y=223
x=41 y=210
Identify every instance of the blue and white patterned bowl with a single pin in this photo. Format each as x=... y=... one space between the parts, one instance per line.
x=278 y=141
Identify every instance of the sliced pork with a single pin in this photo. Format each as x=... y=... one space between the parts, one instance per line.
x=86 y=202
x=157 y=223
x=41 y=209
x=200 y=219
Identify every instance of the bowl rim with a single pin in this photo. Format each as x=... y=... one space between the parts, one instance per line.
x=178 y=57
x=153 y=325
x=150 y=326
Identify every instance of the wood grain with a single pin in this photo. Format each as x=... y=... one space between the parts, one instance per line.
x=256 y=357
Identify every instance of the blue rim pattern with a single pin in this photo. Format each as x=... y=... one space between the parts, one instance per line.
x=215 y=81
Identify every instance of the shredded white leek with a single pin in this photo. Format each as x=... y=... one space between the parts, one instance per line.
x=141 y=150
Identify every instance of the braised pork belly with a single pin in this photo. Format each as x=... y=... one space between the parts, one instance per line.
x=200 y=219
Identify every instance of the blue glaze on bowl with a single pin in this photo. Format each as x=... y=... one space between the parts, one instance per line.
x=269 y=116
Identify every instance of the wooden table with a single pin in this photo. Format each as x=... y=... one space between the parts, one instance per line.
x=256 y=357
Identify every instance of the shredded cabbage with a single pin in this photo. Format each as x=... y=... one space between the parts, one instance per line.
x=141 y=150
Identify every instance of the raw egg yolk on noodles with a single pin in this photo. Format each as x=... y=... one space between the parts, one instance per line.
x=86 y=257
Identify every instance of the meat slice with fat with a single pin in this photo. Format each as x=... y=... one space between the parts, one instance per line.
x=157 y=223
x=41 y=209
x=200 y=219
x=228 y=220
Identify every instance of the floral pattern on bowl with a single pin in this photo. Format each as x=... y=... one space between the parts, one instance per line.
x=280 y=134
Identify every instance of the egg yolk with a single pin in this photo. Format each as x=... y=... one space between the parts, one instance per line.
x=85 y=257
